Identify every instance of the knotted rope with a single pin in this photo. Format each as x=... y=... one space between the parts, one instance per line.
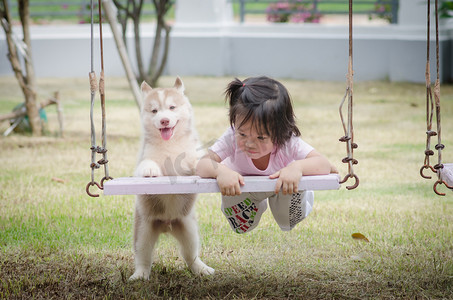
x=430 y=108
x=348 y=128
x=93 y=87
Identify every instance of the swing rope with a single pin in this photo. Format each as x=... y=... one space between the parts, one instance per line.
x=93 y=87
x=430 y=109
x=194 y=184
x=348 y=128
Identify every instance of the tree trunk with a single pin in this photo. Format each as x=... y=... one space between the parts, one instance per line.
x=163 y=61
x=122 y=50
x=155 y=71
x=138 y=51
x=27 y=80
x=155 y=53
x=30 y=93
x=158 y=59
x=123 y=19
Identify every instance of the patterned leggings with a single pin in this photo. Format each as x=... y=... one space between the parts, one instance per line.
x=244 y=212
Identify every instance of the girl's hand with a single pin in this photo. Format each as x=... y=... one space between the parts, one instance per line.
x=288 y=179
x=229 y=182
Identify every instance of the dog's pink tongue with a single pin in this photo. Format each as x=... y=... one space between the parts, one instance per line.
x=166 y=133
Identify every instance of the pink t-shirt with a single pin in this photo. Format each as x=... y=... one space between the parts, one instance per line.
x=226 y=148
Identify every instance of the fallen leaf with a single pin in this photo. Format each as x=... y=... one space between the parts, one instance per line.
x=58 y=180
x=359 y=236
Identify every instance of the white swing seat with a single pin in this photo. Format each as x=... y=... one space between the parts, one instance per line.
x=196 y=184
x=446 y=174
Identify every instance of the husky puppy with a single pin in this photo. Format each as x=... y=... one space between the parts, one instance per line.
x=169 y=148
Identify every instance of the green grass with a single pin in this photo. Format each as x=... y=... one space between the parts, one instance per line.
x=56 y=242
x=75 y=12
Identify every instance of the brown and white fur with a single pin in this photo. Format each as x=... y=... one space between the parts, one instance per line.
x=169 y=147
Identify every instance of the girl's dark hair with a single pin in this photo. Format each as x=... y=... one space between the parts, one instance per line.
x=266 y=103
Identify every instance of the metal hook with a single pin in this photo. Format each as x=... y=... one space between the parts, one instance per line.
x=426 y=167
x=435 y=188
x=102 y=181
x=356 y=184
x=441 y=182
x=88 y=188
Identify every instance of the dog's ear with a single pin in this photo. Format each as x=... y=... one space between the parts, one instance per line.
x=179 y=85
x=145 y=88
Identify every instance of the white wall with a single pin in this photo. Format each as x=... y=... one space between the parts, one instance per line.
x=217 y=46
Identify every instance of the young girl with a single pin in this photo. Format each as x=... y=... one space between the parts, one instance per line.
x=263 y=140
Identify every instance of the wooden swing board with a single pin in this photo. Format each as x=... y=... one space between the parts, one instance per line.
x=196 y=184
x=447 y=174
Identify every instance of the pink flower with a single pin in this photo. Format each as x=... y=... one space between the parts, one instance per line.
x=380 y=8
x=296 y=11
x=283 y=6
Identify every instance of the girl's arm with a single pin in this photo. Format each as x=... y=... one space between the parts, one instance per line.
x=228 y=180
x=288 y=177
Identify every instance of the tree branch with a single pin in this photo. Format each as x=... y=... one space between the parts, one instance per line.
x=162 y=7
x=20 y=113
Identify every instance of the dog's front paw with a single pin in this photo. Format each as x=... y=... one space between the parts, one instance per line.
x=148 y=168
x=140 y=273
x=200 y=268
x=207 y=270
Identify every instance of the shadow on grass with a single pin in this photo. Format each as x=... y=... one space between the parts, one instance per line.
x=56 y=275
